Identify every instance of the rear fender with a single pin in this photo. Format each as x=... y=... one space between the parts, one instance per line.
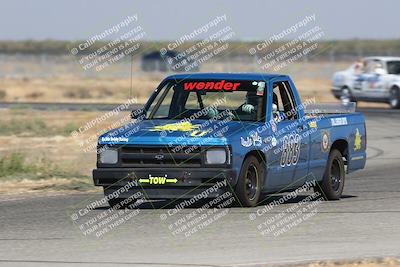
x=357 y=149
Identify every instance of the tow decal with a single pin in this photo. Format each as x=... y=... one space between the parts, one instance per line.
x=158 y=180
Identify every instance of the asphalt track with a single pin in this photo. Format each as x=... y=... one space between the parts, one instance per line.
x=38 y=231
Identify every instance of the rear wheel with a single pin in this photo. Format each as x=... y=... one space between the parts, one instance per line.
x=248 y=188
x=331 y=186
x=346 y=95
x=394 y=100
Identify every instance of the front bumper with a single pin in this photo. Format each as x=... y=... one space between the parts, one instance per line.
x=189 y=182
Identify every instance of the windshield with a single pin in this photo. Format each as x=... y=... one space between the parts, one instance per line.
x=209 y=99
x=393 y=67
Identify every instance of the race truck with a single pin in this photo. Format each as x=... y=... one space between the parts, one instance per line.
x=248 y=134
x=372 y=79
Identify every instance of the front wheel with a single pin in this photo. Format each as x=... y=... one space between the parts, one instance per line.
x=331 y=186
x=248 y=188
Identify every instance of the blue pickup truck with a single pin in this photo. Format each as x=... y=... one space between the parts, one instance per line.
x=216 y=132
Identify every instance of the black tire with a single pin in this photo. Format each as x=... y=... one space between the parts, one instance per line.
x=248 y=188
x=332 y=184
x=394 y=100
x=346 y=94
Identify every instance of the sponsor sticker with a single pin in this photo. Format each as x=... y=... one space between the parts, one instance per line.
x=357 y=140
x=325 y=140
x=312 y=124
x=257 y=141
x=246 y=142
x=339 y=121
x=211 y=86
x=271 y=140
x=357 y=158
x=253 y=140
x=114 y=139
x=260 y=87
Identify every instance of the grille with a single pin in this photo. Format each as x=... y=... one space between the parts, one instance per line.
x=160 y=156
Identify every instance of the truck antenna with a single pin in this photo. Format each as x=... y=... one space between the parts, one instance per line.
x=130 y=90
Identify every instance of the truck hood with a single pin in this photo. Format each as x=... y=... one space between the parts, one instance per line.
x=173 y=132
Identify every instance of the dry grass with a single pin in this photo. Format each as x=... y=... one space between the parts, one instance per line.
x=63 y=150
x=73 y=89
x=47 y=185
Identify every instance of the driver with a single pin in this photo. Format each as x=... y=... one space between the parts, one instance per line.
x=251 y=103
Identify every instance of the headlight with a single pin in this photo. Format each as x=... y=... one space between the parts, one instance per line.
x=216 y=156
x=109 y=156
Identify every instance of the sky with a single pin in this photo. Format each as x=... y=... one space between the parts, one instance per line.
x=168 y=20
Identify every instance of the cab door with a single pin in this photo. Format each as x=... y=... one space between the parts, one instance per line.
x=288 y=159
x=370 y=84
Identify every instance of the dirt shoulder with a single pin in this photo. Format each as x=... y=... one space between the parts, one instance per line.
x=66 y=185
